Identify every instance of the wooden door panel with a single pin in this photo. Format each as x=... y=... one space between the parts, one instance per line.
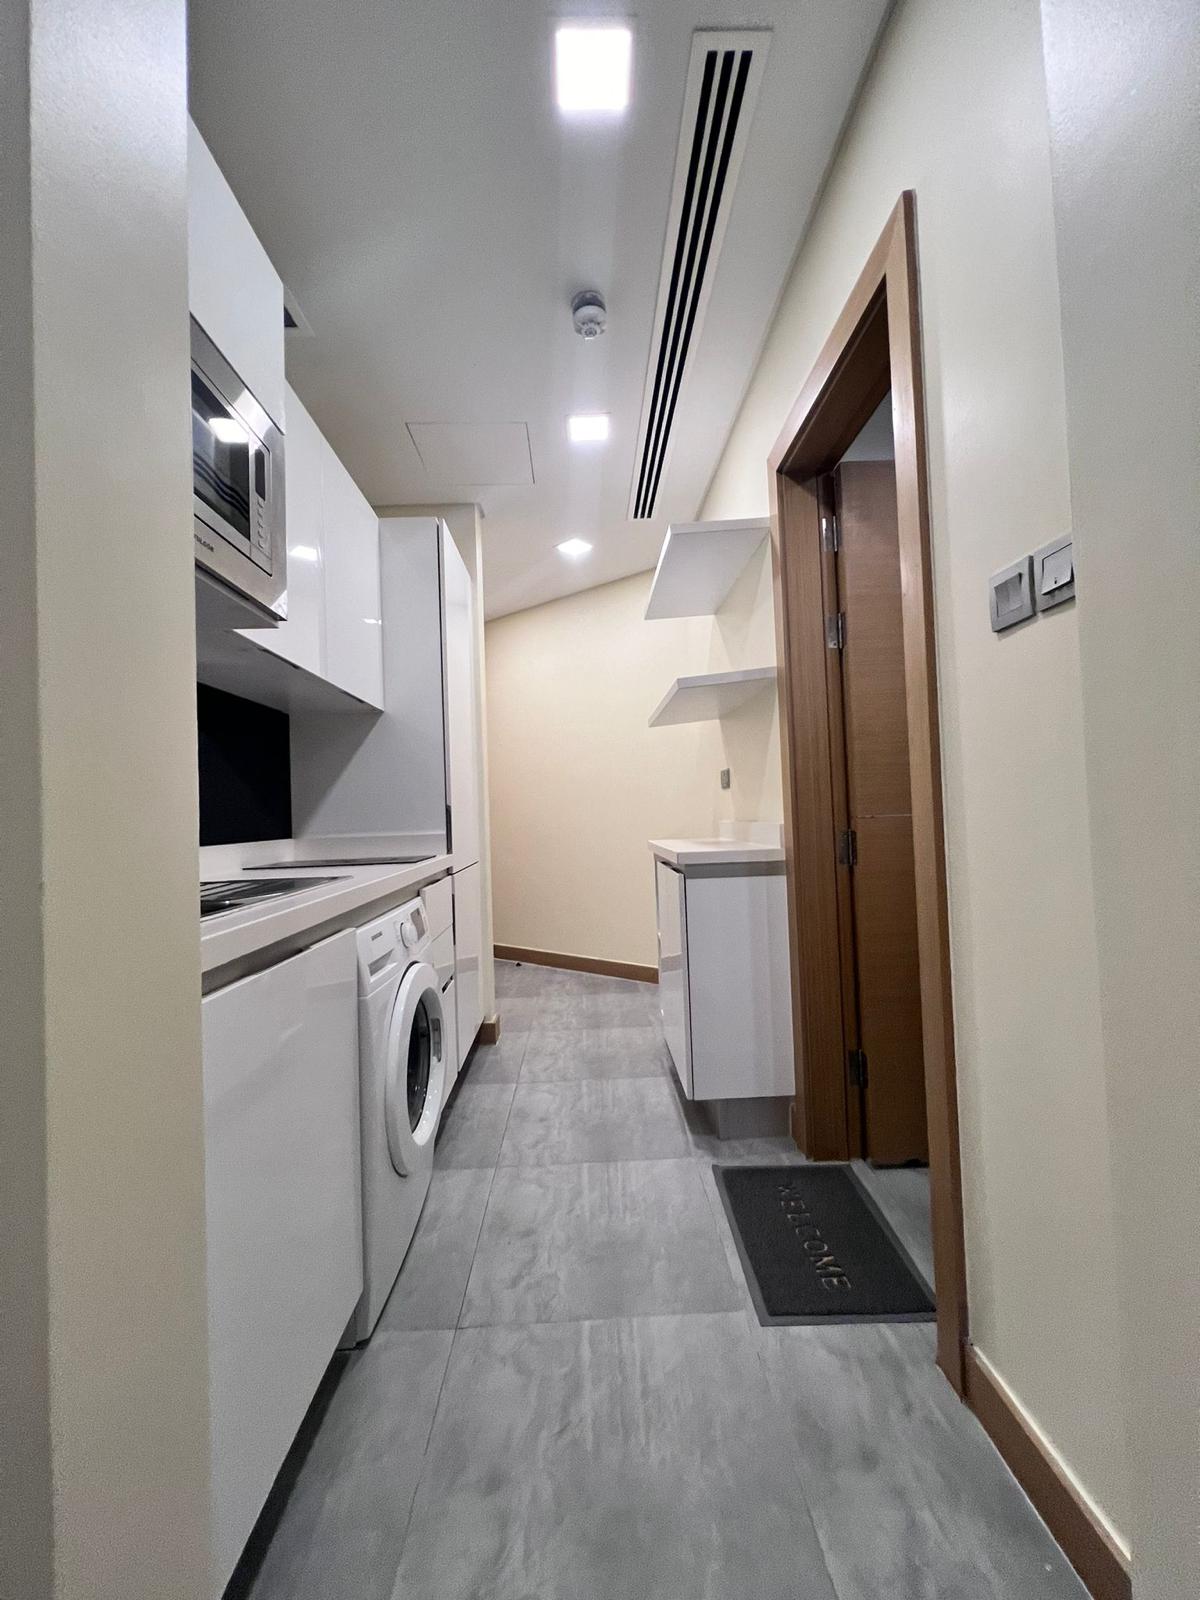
x=889 y=991
x=873 y=659
x=879 y=810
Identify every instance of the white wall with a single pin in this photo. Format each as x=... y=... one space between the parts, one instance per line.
x=580 y=782
x=1124 y=114
x=103 y=1375
x=955 y=108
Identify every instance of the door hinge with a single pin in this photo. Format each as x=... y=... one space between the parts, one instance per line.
x=835 y=631
x=830 y=537
x=848 y=848
x=858 y=1068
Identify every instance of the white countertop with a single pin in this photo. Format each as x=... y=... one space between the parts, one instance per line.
x=234 y=936
x=684 y=853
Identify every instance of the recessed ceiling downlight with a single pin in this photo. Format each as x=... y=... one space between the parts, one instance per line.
x=573 y=549
x=592 y=66
x=589 y=428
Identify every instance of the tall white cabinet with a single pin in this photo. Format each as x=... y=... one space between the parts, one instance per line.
x=417 y=769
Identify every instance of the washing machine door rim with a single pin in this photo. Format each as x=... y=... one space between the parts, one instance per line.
x=416 y=1043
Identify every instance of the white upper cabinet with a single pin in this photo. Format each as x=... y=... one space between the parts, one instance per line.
x=234 y=292
x=353 y=619
x=462 y=721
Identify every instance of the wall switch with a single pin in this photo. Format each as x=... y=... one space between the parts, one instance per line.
x=1054 y=573
x=724 y=777
x=1010 y=594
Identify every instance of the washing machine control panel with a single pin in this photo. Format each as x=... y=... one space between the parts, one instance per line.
x=412 y=928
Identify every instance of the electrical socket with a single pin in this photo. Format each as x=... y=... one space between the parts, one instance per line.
x=724 y=777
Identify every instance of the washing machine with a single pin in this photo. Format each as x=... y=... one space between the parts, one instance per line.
x=403 y=1046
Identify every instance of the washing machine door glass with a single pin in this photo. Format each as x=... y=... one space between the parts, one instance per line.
x=416 y=1068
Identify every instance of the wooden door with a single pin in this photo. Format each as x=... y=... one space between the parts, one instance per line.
x=877 y=859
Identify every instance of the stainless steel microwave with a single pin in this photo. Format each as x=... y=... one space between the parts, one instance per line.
x=237 y=484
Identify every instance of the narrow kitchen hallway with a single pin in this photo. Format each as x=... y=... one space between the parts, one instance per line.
x=569 y=1393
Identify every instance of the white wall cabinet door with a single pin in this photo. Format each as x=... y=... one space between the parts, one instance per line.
x=234 y=292
x=284 y=1213
x=468 y=955
x=353 y=623
x=301 y=639
x=672 y=970
x=461 y=709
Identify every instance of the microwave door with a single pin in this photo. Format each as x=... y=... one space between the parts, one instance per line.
x=222 y=451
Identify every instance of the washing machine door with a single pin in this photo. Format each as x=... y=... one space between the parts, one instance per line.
x=416 y=1068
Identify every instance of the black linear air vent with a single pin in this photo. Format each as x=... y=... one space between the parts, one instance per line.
x=722 y=86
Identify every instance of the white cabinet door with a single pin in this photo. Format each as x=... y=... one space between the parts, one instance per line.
x=301 y=639
x=468 y=956
x=462 y=723
x=353 y=624
x=234 y=292
x=284 y=1213
x=739 y=996
x=672 y=970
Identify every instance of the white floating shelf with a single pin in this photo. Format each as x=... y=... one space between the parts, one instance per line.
x=699 y=565
x=710 y=694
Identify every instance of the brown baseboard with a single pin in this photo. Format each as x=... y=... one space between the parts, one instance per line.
x=1084 y=1540
x=489 y=1031
x=550 y=958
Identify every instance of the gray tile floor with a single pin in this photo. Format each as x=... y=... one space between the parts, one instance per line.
x=569 y=1397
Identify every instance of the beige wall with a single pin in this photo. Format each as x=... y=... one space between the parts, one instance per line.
x=1124 y=113
x=580 y=782
x=101 y=1137
x=955 y=108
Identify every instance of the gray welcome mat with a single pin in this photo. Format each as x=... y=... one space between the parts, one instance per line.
x=816 y=1249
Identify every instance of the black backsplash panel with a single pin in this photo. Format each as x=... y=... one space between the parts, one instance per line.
x=245 y=769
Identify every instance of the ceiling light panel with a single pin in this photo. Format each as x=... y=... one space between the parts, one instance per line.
x=573 y=549
x=588 y=429
x=592 y=69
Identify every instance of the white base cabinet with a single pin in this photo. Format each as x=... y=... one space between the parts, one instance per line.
x=284 y=1214
x=724 y=983
x=468 y=955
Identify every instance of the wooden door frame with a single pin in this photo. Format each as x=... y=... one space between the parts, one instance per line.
x=875 y=345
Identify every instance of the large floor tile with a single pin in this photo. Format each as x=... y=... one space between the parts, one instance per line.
x=429 y=1291
x=615 y=1119
x=598 y=1240
x=620 y=1460
x=473 y=1127
x=561 y=1055
x=342 y=1528
x=499 y=1062
x=576 y=1008
x=902 y=1194
x=909 y=1498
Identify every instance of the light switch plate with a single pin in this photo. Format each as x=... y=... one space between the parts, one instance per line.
x=1054 y=573
x=724 y=777
x=1010 y=594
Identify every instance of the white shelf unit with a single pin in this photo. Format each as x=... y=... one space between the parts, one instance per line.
x=710 y=694
x=699 y=564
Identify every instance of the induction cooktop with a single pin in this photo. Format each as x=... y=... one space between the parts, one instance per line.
x=347 y=861
x=235 y=894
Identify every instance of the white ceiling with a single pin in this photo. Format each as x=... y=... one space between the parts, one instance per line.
x=408 y=172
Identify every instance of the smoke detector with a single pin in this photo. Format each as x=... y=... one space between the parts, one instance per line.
x=589 y=314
